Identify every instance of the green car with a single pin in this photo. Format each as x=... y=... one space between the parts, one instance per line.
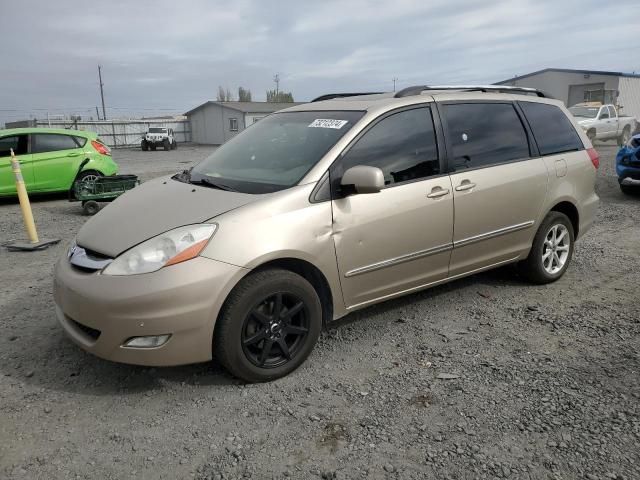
x=50 y=159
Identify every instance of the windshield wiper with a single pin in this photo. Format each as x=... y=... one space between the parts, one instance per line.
x=210 y=183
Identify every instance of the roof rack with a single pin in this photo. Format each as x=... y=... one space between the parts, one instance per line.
x=418 y=89
x=330 y=96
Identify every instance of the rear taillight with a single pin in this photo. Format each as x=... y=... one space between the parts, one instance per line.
x=101 y=148
x=594 y=156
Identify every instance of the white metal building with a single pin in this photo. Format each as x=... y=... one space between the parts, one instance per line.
x=575 y=86
x=214 y=123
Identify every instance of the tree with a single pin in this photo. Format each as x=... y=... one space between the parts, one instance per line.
x=274 y=96
x=244 y=95
x=224 y=95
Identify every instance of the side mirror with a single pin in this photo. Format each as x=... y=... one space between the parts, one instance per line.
x=363 y=179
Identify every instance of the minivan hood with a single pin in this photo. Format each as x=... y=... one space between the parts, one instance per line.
x=153 y=208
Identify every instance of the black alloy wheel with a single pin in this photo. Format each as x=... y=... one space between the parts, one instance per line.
x=275 y=330
x=268 y=325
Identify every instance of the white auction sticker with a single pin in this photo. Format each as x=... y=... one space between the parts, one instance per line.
x=328 y=123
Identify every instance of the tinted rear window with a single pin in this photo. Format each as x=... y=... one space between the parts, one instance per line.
x=485 y=134
x=51 y=142
x=17 y=142
x=553 y=131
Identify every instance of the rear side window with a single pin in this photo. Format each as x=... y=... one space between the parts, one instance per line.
x=485 y=134
x=17 y=142
x=51 y=142
x=553 y=131
x=402 y=145
x=81 y=141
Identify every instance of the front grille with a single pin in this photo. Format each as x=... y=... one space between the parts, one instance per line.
x=90 y=332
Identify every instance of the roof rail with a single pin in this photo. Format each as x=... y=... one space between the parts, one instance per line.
x=330 y=96
x=418 y=89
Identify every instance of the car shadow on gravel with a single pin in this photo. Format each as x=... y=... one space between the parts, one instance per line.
x=39 y=198
x=482 y=284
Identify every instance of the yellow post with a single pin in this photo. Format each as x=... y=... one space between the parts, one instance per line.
x=25 y=206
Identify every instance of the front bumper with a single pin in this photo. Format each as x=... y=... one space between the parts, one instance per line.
x=101 y=312
x=159 y=141
x=628 y=174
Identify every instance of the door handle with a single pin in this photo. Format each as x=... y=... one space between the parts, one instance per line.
x=438 y=192
x=465 y=185
x=73 y=154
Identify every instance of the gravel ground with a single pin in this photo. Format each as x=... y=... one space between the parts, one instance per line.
x=486 y=377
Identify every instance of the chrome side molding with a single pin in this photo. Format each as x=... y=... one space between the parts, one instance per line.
x=439 y=249
x=403 y=258
x=492 y=234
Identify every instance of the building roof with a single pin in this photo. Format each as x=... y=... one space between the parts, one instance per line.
x=568 y=70
x=247 y=107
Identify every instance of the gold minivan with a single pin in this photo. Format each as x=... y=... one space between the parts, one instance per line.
x=322 y=209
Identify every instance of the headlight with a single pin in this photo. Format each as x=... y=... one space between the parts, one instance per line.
x=169 y=248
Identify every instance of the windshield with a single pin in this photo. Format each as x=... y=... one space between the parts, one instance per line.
x=157 y=130
x=584 y=112
x=276 y=152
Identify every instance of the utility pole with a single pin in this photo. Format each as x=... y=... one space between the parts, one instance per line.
x=104 y=113
x=276 y=78
x=394 y=83
x=97 y=113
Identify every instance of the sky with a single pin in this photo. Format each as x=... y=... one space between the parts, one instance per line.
x=166 y=57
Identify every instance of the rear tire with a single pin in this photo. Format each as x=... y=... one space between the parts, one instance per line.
x=551 y=251
x=166 y=145
x=174 y=145
x=259 y=338
x=626 y=135
x=84 y=177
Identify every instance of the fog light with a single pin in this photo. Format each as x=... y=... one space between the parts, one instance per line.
x=150 y=341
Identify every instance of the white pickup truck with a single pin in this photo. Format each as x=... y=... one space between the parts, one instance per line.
x=601 y=122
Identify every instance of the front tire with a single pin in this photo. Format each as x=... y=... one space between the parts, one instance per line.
x=591 y=135
x=629 y=189
x=551 y=251
x=144 y=145
x=626 y=135
x=268 y=325
x=166 y=145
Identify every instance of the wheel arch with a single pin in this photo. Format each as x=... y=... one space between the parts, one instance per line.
x=571 y=211
x=309 y=272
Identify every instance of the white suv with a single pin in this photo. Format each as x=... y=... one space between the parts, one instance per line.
x=159 y=137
